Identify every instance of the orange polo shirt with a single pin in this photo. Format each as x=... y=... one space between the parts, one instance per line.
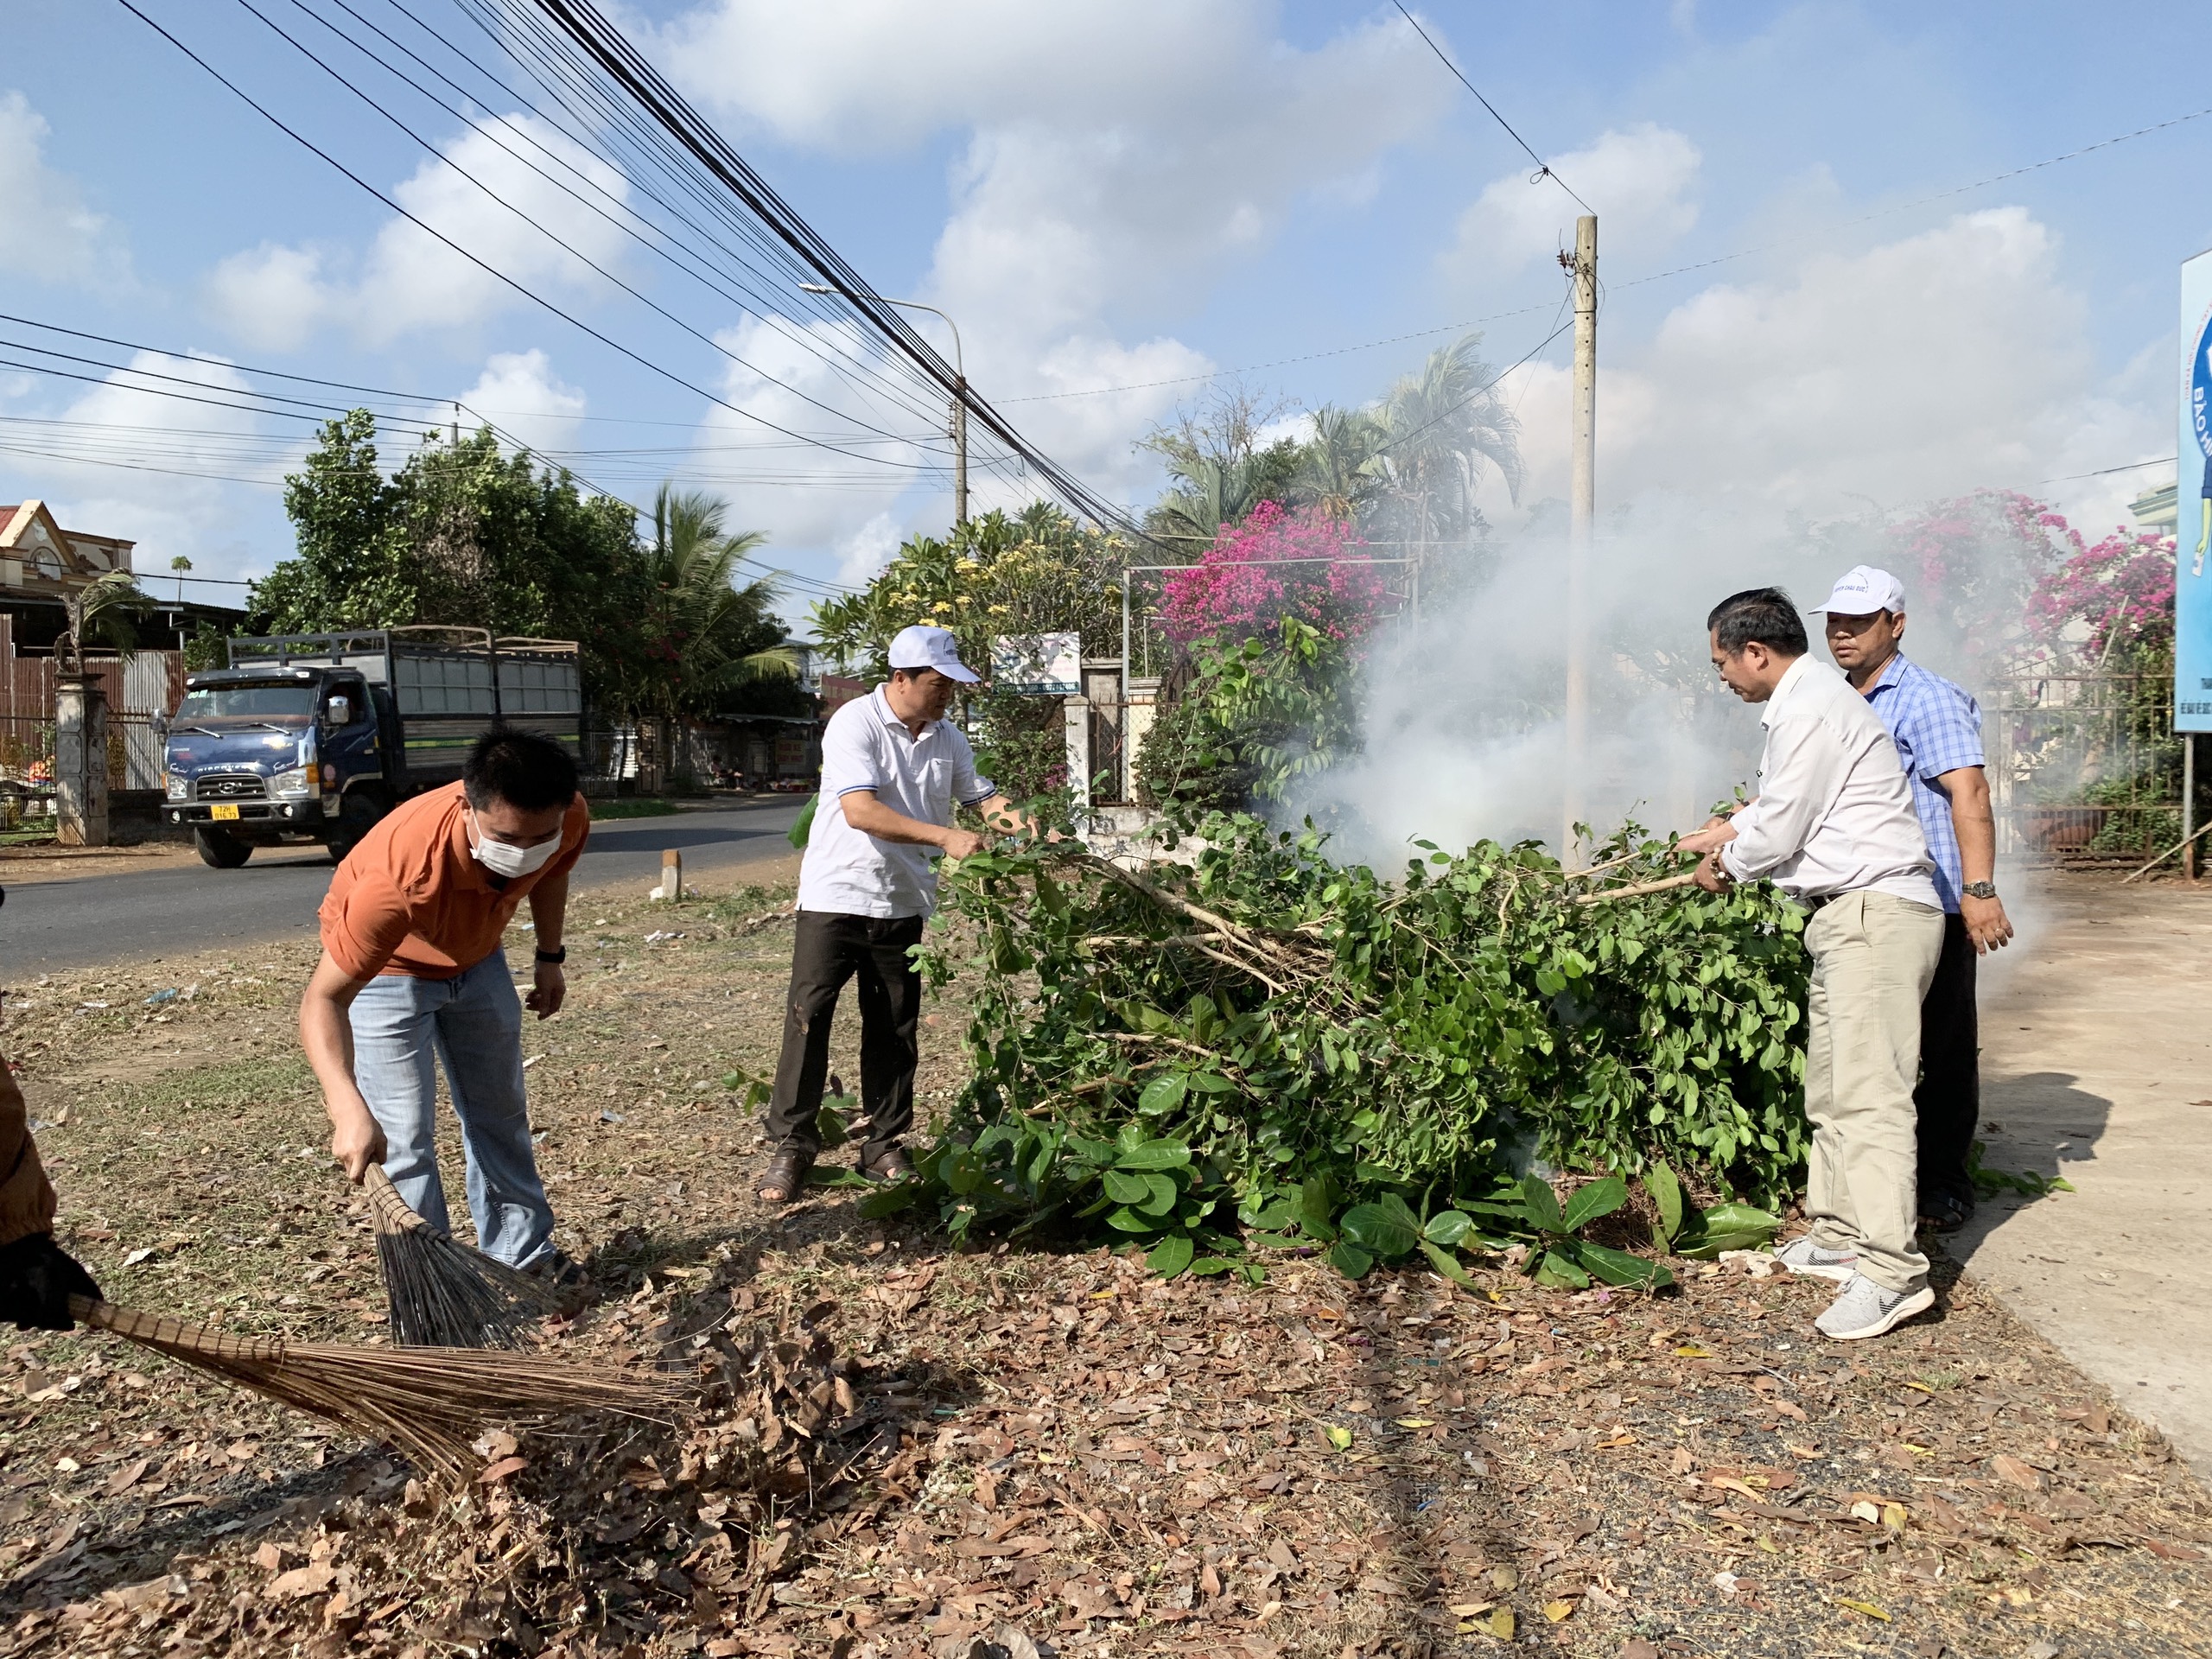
x=411 y=899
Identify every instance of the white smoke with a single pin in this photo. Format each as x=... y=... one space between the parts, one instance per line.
x=1464 y=708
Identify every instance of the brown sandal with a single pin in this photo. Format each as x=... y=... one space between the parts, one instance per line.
x=786 y=1178
x=889 y=1164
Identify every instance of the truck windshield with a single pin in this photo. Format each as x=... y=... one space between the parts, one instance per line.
x=287 y=700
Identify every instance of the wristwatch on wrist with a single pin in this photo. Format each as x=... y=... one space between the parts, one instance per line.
x=1979 y=890
x=554 y=958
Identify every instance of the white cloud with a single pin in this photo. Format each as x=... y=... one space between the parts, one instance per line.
x=860 y=77
x=407 y=280
x=1638 y=182
x=519 y=393
x=157 y=498
x=1920 y=368
x=1094 y=433
x=868 y=550
x=51 y=235
x=1117 y=160
x=749 y=461
x=274 y=296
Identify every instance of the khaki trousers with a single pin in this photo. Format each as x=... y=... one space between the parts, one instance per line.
x=1873 y=956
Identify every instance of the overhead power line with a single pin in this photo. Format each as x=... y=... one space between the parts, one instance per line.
x=258 y=403
x=1281 y=362
x=629 y=70
x=1543 y=167
x=1923 y=202
x=1636 y=281
x=483 y=265
x=676 y=251
x=1445 y=413
x=543 y=229
x=2107 y=472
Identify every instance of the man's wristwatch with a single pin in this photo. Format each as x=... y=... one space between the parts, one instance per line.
x=1979 y=890
x=554 y=958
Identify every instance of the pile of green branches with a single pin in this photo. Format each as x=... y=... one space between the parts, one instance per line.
x=1262 y=1048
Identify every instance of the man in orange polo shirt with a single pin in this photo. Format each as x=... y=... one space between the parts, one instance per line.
x=412 y=974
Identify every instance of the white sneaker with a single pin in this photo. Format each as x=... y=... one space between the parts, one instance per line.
x=1865 y=1309
x=1803 y=1256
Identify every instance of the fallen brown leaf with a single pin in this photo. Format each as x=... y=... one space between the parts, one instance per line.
x=2007 y=1467
x=310 y=1580
x=127 y=1477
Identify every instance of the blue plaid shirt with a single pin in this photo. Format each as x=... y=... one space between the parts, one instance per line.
x=1937 y=728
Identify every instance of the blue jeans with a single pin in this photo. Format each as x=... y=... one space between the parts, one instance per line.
x=402 y=1029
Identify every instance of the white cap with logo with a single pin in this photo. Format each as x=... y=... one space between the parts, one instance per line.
x=1862 y=590
x=921 y=646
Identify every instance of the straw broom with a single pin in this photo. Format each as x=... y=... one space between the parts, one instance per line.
x=429 y=1403
x=444 y=1294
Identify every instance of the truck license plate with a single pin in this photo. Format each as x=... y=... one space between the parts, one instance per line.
x=222 y=814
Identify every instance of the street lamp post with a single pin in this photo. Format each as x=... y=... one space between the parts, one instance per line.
x=959 y=398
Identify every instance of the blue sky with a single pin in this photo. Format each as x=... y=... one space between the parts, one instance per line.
x=1115 y=196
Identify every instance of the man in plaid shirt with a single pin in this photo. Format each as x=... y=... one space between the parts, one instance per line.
x=1937 y=729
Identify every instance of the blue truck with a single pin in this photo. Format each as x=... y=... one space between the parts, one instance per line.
x=312 y=737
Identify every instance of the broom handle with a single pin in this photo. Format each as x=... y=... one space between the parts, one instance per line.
x=1637 y=890
x=393 y=1209
x=158 y=1330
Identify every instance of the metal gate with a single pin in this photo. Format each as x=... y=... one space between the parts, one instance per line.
x=2085 y=765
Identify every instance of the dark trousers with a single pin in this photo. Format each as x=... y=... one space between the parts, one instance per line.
x=1948 y=1099
x=830 y=949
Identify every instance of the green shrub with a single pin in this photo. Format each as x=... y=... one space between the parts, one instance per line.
x=1292 y=1039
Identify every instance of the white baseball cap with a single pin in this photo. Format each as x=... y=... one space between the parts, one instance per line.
x=1862 y=590
x=922 y=647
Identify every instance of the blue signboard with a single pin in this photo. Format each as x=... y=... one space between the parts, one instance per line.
x=2193 y=529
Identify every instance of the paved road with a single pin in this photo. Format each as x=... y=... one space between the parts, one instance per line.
x=73 y=924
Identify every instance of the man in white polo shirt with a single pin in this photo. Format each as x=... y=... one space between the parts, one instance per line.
x=1833 y=827
x=892 y=769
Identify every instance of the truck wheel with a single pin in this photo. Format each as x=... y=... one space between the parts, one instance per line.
x=222 y=850
x=356 y=815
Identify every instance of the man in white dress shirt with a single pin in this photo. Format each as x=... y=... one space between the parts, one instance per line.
x=1833 y=827
x=892 y=770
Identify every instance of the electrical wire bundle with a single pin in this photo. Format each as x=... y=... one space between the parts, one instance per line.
x=590 y=121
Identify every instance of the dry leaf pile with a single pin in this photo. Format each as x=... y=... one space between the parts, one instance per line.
x=623 y=1530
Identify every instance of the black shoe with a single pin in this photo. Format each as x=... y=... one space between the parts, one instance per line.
x=1945 y=1212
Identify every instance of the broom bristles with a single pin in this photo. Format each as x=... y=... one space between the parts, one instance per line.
x=444 y=1294
x=429 y=1403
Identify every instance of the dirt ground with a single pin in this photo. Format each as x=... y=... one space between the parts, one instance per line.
x=1009 y=1451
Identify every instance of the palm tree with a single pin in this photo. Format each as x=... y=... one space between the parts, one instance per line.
x=716 y=631
x=1340 y=470
x=1440 y=425
x=103 y=606
x=1221 y=470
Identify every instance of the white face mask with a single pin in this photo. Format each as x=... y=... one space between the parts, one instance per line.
x=508 y=861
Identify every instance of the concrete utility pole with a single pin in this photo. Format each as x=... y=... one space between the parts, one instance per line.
x=959 y=442
x=1584 y=273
